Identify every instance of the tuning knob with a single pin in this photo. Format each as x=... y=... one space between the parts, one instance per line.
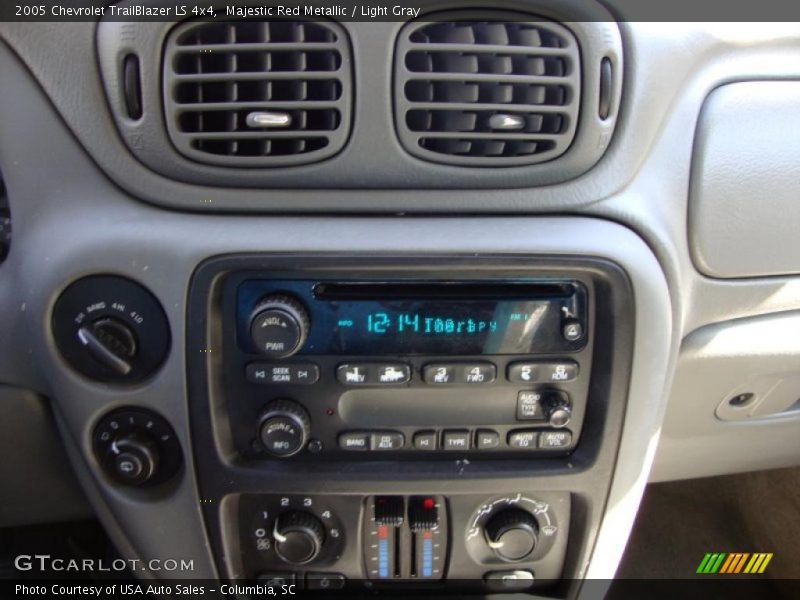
x=279 y=326
x=298 y=537
x=284 y=428
x=557 y=409
x=512 y=534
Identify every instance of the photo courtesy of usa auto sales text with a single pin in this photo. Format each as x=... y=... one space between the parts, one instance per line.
x=151 y=590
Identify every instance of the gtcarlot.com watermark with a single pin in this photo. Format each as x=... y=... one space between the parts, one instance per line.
x=45 y=562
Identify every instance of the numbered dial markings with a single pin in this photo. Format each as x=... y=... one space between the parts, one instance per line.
x=273 y=515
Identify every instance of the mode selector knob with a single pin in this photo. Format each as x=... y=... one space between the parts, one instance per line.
x=279 y=326
x=284 y=428
x=512 y=534
x=298 y=537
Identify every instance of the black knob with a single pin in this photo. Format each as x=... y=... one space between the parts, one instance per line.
x=298 y=537
x=279 y=326
x=110 y=342
x=133 y=458
x=284 y=428
x=557 y=409
x=512 y=534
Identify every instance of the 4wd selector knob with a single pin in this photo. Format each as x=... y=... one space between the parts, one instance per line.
x=512 y=534
x=284 y=428
x=279 y=326
x=298 y=537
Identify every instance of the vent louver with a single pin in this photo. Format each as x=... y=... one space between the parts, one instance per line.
x=5 y=222
x=499 y=92
x=255 y=94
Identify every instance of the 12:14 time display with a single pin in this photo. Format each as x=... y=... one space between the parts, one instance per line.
x=380 y=322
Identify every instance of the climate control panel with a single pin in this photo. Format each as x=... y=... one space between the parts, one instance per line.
x=514 y=541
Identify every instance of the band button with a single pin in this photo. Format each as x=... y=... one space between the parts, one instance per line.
x=354 y=441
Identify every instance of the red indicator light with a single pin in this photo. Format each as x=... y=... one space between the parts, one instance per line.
x=383 y=532
x=329 y=412
x=428 y=503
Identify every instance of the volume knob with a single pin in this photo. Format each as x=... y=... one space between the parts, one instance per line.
x=279 y=326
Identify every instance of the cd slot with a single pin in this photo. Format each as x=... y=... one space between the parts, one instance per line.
x=441 y=290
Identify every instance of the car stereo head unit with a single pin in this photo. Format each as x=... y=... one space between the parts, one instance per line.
x=383 y=365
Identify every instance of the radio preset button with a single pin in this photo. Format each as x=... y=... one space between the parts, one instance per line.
x=542 y=372
x=529 y=406
x=486 y=439
x=455 y=440
x=561 y=371
x=425 y=440
x=479 y=373
x=391 y=374
x=439 y=374
x=551 y=440
x=354 y=441
x=523 y=439
x=269 y=373
x=352 y=374
x=386 y=440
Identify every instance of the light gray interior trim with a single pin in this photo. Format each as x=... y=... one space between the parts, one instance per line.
x=744 y=210
x=38 y=484
x=105 y=231
x=642 y=183
x=717 y=363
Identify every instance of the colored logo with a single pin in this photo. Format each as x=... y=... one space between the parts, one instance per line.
x=734 y=563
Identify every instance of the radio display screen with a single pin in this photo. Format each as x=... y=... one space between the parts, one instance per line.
x=432 y=320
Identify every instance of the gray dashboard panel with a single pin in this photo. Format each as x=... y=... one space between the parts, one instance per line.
x=744 y=210
x=717 y=363
x=31 y=444
x=106 y=231
x=641 y=183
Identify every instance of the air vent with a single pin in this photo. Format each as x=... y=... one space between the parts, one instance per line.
x=499 y=92
x=256 y=94
x=5 y=222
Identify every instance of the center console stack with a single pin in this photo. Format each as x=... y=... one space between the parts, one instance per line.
x=391 y=420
